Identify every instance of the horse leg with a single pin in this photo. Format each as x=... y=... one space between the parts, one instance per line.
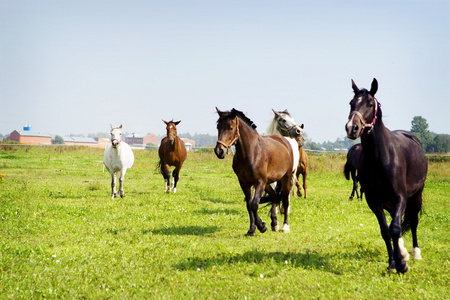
x=121 y=179
x=395 y=230
x=297 y=182
x=113 y=185
x=412 y=215
x=355 y=186
x=166 y=174
x=258 y=192
x=286 y=187
x=384 y=228
x=305 y=174
x=175 y=175
x=248 y=198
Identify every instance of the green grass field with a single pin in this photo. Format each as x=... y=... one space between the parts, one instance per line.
x=62 y=236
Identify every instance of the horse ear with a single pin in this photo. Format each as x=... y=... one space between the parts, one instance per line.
x=276 y=114
x=354 y=87
x=120 y=127
x=112 y=127
x=165 y=122
x=374 y=87
x=176 y=123
x=302 y=126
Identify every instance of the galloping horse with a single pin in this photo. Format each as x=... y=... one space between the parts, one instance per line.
x=118 y=157
x=257 y=162
x=354 y=158
x=392 y=173
x=172 y=152
x=285 y=125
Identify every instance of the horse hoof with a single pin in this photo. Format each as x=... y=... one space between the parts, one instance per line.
x=276 y=228
x=250 y=233
x=285 y=229
x=350 y=198
x=174 y=190
x=263 y=228
x=416 y=253
x=403 y=270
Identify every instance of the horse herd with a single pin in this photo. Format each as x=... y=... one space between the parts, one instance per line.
x=390 y=166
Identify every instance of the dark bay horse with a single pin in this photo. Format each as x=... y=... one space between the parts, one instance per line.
x=257 y=162
x=354 y=160
x=392 y=173
x=284 y=124
x=172 y=152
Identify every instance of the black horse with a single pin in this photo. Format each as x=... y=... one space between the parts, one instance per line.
x=392 y=173
x=354 y=159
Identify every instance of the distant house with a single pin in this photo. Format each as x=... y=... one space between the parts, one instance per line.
x=190 y=144
x=84 y=141
x=30 y=137
x=140 y=140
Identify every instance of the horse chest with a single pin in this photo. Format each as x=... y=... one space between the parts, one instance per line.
x=116 y=163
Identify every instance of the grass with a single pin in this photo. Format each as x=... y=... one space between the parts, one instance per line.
x=61 y=236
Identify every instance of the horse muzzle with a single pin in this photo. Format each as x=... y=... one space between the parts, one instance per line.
x=296 y=132
x=353 y=129
x=115 y=143
x=219 y=151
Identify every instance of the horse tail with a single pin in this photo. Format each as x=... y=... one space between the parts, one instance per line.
x=347 y=170
x=413 y=212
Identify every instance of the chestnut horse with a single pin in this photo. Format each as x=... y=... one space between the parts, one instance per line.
x=257 y=162
x=285 y=125
x=392 y=173
x=354 y=158
x=172 y=152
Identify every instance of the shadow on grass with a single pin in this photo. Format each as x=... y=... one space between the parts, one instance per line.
x=185 y=230
x=218 y=212
x=308 y=260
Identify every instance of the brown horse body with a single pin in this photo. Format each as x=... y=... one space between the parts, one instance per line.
x=257 y=162
x=301 y=169
x=172 y=152
x=284 y=124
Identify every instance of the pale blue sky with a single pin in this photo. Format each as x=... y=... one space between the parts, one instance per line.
x=76 y=66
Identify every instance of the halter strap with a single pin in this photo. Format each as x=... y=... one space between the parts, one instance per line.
x=118 y=141
x=286 y=131
x=361 y=119
x=234 y=140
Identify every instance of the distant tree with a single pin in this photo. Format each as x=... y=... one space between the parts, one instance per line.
x=442 y=143
x=419 y=127
x=58 y=140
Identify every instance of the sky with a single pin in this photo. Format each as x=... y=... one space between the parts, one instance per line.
x=71 y=67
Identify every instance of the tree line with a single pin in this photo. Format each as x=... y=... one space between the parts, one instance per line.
x=431 y=142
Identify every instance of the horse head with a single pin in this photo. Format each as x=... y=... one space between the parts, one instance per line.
x=228 y=132
x=171 y=129
x=364 y=110
x=116 y=135
x=286 y=125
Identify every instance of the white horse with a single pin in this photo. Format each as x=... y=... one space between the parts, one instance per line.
x=118 y=157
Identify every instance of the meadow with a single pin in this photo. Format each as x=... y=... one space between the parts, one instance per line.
x=62 y=236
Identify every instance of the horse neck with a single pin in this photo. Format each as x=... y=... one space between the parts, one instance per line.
x=244 y=143
x=375 y=144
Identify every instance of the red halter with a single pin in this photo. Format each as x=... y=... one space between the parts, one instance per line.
x=361 y=119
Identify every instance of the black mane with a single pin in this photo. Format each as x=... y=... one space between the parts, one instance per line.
x=233 y=113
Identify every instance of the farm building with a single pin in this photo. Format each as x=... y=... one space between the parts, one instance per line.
x=29 y=137
x=190 y=144
x=141 y=140
x=84 y=141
